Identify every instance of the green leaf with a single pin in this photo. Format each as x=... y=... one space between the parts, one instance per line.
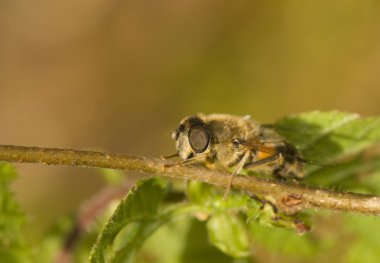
x=228 y=217
x=283 y=240
x=135 y=218
x=112 y=176
x=12 y=220
x=225 y=229
x=202 y=194
x=326 y=136
x=198 y=248
x=53 y=240
x=210 y=199
x=364 y=243
x=182 y=240
x=337 y=174
x=228 y=233
x=167 y=243
x=321 y=137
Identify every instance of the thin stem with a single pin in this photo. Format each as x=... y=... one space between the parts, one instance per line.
x=87 y=214
x=287 y=196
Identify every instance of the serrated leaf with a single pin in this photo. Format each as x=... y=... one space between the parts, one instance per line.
x=12 y=220
x=228 y=233
x=228 y=214
x=135 y=218
x=321 y=137
x=325 y=136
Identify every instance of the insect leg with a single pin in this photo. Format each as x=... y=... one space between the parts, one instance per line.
x=239 y=167
x=188 y=161
x=263 y=161
x=169 y=156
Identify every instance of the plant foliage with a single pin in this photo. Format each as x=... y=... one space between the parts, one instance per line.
x=12 y=244
x=148 y=226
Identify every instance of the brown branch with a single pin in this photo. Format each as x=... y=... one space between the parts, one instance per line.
x=289 y=197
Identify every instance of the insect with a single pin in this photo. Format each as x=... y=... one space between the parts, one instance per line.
x=238 y=142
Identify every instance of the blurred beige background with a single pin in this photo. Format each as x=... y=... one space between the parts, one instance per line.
x=119 y=75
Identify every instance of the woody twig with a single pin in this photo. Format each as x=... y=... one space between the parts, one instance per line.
x=287 y=196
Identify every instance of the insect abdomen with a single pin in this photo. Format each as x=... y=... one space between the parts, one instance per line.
x=292 y=165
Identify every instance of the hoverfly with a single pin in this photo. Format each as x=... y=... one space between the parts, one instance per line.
x=238 y=142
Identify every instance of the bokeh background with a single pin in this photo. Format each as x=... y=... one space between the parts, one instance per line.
x=119 y=75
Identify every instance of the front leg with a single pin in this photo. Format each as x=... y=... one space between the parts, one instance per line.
x=239 y=167
x=190 y=160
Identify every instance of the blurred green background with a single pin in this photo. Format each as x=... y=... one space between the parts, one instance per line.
x=119 y=75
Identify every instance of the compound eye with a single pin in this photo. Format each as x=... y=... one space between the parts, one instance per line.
x=199 y=138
